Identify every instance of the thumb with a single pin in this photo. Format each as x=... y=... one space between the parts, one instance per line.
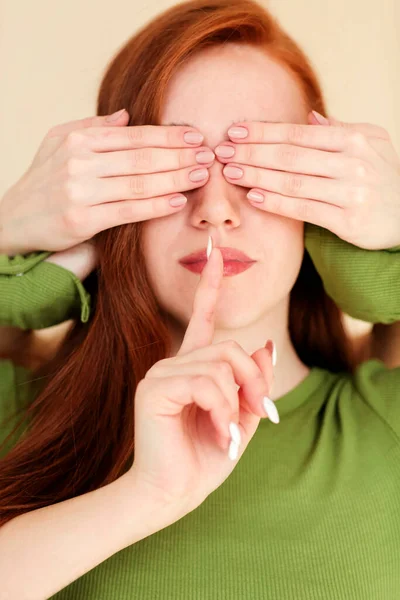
x=368 y=129
x=117 y=119
x=315 y=118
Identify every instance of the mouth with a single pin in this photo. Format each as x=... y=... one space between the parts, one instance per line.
x=231 y=267
x=235 y=261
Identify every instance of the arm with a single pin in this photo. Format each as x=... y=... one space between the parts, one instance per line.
x=44 y=550
x=38 y=291
x=365 y=284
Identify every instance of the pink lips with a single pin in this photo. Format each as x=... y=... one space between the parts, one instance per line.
x=235 y=261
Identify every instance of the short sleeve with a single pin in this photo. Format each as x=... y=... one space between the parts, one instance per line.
x=35 y=294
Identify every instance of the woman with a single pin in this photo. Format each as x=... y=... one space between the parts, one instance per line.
x=309 y=506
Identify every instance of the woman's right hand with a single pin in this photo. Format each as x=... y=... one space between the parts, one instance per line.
x=184 y=405
x=90 y=175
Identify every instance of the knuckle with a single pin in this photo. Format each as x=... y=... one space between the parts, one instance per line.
x=73 y=191
x=137 y=185
x=363 y=170
x=231 y=344
x=176 y=177
x=171 y=135
x=356 y=139
x=74 y=140
x=223 y=369
x=359 y=168
x=275 y=201
x=358 y=195
x=75 y=220
x=287 y=155
x=141 y=158
x=180 y=159
x=291 y=184
x=248 y=153
x=73 y=166
x=295 y=133
x=200 y=381
x=135 y=134
x=304 y=210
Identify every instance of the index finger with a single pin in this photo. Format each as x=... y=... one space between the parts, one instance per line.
x=95 y=121
x=108 y=139
x=200 y=331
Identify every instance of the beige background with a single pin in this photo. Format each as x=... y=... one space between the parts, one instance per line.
x=53 y=54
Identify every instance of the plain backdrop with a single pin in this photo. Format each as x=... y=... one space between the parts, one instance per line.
x=53 y=55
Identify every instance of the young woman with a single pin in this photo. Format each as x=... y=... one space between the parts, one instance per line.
x=149 y=467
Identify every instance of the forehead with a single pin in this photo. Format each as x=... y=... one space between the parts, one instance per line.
x=226 y=84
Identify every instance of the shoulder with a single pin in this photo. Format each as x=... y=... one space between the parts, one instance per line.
x=378 y=387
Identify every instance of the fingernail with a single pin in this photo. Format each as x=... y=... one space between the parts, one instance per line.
x=198 y=174
x=238 y=132
x=233 y=450
x=224 y=151
x=322 y=120
x=270 y=345
x=209 y=246
x=274 y=353
x=270 y=409
x=115 y=116
x=235 y=433
x=191 y=137
x=255 y=196
x=205 y=156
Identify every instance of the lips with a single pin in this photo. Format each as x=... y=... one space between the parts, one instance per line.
x=228 y=254
x=235 y=261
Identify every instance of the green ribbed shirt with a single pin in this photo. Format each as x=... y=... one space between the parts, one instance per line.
x=312 y=509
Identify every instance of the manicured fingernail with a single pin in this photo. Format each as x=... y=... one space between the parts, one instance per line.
x=235 y=433
x=224 y=151
x=115 y=116
x=274 y=353
x=178 y=201
x=255 y=196
x=192 y=137
x=271 y=346
x=233 y=172
x=209 y=246
x=321 y=119
x=270 y=409
x=238 y=132
x=198 y=174
x=205 y=156
x=233 y=450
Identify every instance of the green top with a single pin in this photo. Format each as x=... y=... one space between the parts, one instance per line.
x=312 y=509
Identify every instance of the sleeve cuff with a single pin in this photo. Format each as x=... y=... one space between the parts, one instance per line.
x=37 y=294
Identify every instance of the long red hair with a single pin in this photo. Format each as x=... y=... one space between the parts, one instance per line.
x=79 y=432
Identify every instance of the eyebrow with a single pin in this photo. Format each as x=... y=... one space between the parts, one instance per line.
x=236 y=121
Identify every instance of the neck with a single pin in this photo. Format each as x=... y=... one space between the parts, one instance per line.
x=289 y=370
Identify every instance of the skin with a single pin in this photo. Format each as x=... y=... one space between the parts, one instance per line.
x=212 y=90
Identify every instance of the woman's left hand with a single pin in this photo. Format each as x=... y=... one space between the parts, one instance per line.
x=344 y=177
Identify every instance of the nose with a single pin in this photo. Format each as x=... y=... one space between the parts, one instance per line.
x=217 y=203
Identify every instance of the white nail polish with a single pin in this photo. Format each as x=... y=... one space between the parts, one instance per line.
x=235 y=433
x=209 y=246
x=270 y=409
x=273 y=353
x=233 y=450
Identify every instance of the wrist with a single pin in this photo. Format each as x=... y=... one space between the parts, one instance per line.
x=143 y=510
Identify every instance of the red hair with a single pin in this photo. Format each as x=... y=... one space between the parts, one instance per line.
x=81 y=419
